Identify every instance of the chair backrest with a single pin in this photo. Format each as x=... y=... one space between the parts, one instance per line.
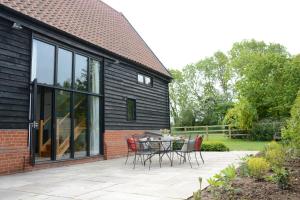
x=155 y=146
x=188 y=145
x=131 y=144
x=198 y=143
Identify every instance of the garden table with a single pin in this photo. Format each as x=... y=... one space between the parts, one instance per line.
x=160 y=147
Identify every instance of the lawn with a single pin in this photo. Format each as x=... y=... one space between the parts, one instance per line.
x=237 y=144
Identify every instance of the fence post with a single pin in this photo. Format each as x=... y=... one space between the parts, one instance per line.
x=229 y=131
x=206 y=129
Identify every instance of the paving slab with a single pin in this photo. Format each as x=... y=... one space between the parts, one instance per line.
x=112 y=179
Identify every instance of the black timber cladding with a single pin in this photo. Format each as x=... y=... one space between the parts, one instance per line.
x=15 y=58
x=152 y=104
x=120 y=82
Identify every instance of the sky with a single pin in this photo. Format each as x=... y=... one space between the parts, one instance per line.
x=182 y=32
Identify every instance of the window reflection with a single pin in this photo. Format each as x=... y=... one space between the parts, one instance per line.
x=64 y=71
x=94 y=125
x=43 y=62
x=140 y=78
x=80 y=72
x=80 y=124
x=95 y=76
x=147 y=80
x=63 y=124
x=131 y=109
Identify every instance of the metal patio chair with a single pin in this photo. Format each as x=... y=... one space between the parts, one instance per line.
x=186 y=150
x=197 y=147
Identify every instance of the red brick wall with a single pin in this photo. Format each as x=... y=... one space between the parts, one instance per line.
x=115 y=144
x=14 y=153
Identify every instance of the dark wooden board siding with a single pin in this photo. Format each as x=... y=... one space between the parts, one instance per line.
x=152 y=103
x=120 y=83
x=15 y=56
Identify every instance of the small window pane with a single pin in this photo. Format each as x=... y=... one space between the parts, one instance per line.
x=63 y=124
x=80 y=125
x=80 y=72
x=140 y=78
x=43 y=62
x=94 y=125
x=147 y=80
x=131 y=109
x=95 y=76
x=64 y=71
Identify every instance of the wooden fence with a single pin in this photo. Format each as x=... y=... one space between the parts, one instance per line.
x=214 y=129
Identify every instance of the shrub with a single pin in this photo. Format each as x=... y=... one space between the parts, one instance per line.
x=258 y=167
x=243 y=169
x=274 y=154
x=198 y=195
x=282 y=178
x=241 y=116
x=214 y=146
x=291 y=133
x=222 y=182
x=177 y=145
x=264 y=131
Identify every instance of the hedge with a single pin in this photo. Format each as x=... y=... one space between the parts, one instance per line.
x=214 y=146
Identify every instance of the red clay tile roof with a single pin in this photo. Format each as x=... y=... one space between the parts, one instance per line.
x=94 y=22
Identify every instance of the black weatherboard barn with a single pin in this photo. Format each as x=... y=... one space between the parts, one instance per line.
x=75 y=79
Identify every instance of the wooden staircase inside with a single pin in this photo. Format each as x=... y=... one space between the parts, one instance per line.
x=63 y=131
x=45 y=150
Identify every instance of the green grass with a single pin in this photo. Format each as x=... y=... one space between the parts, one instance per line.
x=236 y=144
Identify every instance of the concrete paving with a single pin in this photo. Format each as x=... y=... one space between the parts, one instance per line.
x=112 y=180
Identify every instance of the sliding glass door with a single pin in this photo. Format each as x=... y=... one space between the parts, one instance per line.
x=69 y=102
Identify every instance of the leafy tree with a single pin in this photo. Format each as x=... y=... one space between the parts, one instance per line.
x=241 y=116
x=291 y=133
x=263 y=80
x=267 y=77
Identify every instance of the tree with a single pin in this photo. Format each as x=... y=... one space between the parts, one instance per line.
x=201 y=93
x=268 y=77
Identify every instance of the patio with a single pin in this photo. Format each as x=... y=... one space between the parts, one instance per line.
x=111 y=179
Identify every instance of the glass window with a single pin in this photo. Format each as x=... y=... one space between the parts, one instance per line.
x=80 y=124
x=42 y=62
x=80 y=72
x=63 y=124
x=95 y=76
x=94 y=125
x=140 y=78
x=147 y=80
x=44 y=117
x=64 y=71
x=131 y=109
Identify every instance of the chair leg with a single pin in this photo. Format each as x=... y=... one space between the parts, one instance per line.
x=150 y=162
x=195 y=153
x=189 y=158
x=141 y=159
x=201 y=157
x=127 y=157
x=134 y=161
x=159 y=160
x=179 y=159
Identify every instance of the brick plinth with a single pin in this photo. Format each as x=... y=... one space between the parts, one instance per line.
x=14 y=152
x=115 y=144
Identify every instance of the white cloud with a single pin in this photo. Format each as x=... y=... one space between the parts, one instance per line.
x=184 y=31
